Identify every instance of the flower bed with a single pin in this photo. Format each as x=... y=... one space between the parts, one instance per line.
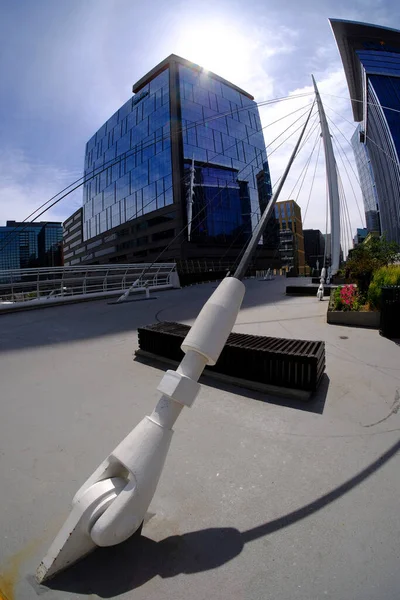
x=347 y=307
x=372 y=267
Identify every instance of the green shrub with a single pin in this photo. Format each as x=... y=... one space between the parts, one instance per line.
x=357 y=303
x=384 y=276
x=365 y=259
x=337 y=301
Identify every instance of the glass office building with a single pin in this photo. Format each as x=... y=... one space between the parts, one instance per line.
x=141 y=181
x=50 y=245
x=30 y=244
x=371 y=60
x=187 y=143
x=222 y=133
x=9 y=249
x=367 y=180
x=360 y=236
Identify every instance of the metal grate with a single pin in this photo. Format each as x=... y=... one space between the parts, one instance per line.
x=297 y=364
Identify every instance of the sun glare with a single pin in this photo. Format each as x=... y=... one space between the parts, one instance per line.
x=218 y=47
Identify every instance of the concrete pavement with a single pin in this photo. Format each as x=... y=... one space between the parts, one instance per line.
x=260 y=499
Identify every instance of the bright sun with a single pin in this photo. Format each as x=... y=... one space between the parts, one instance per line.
x=218 y=47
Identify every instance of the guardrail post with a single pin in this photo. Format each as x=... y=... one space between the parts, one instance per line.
x=124 y=278
x=156 y=276
x=84 y=283
x=105 y=281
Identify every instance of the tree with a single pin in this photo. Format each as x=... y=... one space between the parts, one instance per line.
x=366 y=258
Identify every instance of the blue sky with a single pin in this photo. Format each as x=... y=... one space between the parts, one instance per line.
x=67 y=65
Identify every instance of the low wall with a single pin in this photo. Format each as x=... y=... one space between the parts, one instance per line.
x=354 y=318
x=350 y=318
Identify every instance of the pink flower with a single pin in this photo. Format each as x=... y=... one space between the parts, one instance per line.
x=348 y=295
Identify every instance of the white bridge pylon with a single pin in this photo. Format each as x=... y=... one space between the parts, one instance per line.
x=333 y=185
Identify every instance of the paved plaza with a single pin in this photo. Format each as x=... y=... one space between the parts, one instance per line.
x=261 y=498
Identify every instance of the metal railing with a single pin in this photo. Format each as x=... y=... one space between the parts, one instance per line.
x=204 y=265
x=23 y=285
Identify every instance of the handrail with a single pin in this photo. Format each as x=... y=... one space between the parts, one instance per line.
x=18 y=285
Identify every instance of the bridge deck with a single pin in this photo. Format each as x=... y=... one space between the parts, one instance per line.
x=259 y=498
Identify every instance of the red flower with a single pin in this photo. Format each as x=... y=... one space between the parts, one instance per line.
x=348 y=295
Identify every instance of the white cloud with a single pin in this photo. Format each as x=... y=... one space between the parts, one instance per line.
x=25 y=185
x=242 y=55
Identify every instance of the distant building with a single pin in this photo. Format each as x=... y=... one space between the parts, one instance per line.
x=271 y=233
x=50 y=245
x=367 y=180
x=291 y=240
x=328 y=256
x=371 y=60
x=187 y=142
x=360 y=236
x=30 y=244
x=314 y=248
x=9 y=249
x=73 y=247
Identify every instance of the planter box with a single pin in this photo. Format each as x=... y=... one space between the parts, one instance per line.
x=353 y=318
x=370 y=320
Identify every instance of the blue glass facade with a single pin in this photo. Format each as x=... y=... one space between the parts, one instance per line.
x=371 y=60
x=49 y=236
x=140 y=183
x=360 y=236
x=381 y=69
x=222 y=133
x=187 y=142
x=9 y=253
x=219 y=128
x=24 y=245
x=28 y=245
x=367 y=181
x=221 y=206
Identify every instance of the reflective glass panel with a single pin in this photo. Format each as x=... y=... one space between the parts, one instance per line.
x=223 y=135
x=135 y=184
